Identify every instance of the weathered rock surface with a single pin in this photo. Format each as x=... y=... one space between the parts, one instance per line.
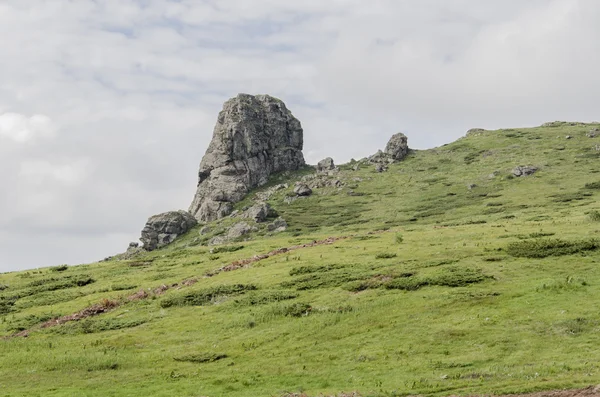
x=279 y=225
x=162 y=229
x=260 y=212
x=524 y=170
x=255 y=136
x=239 y=230
x=302 y=190
x=475 y=131
x=325 y=165
x=397 y=147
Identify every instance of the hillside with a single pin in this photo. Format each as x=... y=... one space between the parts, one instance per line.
x=444 y=275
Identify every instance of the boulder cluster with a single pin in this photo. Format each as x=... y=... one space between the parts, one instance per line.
x=255 y=137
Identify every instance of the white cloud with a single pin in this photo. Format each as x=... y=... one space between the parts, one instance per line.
x=136 y=87
x=22 y=129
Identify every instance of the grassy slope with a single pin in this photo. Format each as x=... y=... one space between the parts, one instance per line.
x=527 y=324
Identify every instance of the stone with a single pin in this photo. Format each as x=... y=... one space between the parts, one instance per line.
x=568 y=137
x=325 y=165
x=397 y=147
x=162 y=229
x=380 y=168
x=205 y=230
x=134 y=245
x=378 y=157
x=279 y=225
x=302 y=190
x=239 y=230
x=475 y=131
x=594 y=133
x=471 y=186
x=524 y=170
x=255 y=136
x=260 y=212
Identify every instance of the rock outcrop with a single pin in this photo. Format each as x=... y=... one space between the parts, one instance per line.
x=162 y=229
x=255 y=136
x=524 y=170
x=397 y=147
x=326 y=165
x=260 y=212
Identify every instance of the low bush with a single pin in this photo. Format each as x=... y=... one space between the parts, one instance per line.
x=385 y=255
x=553 y=247
x=229 y=248
x=207 y=295
x=265 y=297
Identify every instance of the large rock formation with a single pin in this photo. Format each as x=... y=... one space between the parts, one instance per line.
x=162 y=229
x=397 y=147
x=255 y=136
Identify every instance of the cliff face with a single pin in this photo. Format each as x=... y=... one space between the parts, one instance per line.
x=255 y=136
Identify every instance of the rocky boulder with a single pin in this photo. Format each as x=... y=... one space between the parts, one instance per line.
x=302 y=190
x=524 y=170
x=279 y=225
x=397 y=147
x=255 y=136
x=260 y=212
x=162 y=229
x=326 y=165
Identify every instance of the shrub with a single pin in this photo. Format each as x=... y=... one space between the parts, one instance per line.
x=385 y=255
x=207 y=295
x=593 y=185
x=594 y=216
x=265 y=297
x=553 y=247
x=399 y=238
x=230 y=248
x=201 y=358
x=298 y=310
x=313 y=269
x=60 y=268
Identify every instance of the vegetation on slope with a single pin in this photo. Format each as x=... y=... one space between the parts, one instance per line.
x=454 y=277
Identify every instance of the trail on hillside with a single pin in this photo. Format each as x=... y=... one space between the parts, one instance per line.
x=106 y=305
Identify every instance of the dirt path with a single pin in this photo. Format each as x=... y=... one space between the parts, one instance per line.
x=107 y=305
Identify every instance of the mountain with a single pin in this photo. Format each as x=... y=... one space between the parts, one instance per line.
x=465 y=269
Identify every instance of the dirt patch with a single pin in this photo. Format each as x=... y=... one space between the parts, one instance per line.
x=245 y=263
x=592 y=391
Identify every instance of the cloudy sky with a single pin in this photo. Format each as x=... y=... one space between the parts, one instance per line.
x=107 y=106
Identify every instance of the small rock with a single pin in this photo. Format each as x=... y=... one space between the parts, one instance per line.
x=260 y=212
x=568 y=137
x=594 y=133
x=475 y=131
x=133 y=245
x=279 y=225
x=302 y=190
x=524 y=170
x=380 y=168
x=162 y=229
x=205 y=230
x=325 y=165
x=239 y=230
x=471 y=186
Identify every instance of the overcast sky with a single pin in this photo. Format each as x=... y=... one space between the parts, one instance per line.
x=107 y=106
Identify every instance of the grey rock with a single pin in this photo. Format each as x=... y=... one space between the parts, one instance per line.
x=471 y=186
x=239 y=230
x=134 y=245
x=260 y=212
x=279 y=225
x=162 y=229
x=378 y=157
x=325 y=165
x=380 y=168
x=254 y=137
x=302 y=190
x=594 y=133
x=524 y=170
x=568 y=137
x=218 y=240
x=397 y=147
x=205 y=230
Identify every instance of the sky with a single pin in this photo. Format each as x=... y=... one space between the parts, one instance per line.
x=107 y=106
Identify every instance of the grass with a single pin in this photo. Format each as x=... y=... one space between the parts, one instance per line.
x=438 y=289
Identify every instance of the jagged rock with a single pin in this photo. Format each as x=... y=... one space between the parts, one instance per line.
x=594 y=133
x=255 y=136
x=133 y=245
x=218 y=240
x=162 y=229
x=239 y=230
x=325 y=165
x=264 y=196
x=205 y=230
x=524 y=170
x=279 y=225
x=302 y=190
x=471 y=186
x=378 y=157
x=260 y=212
x=397 y=147
x=568 y=137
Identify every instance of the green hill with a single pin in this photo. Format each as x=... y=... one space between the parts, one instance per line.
x=446 y=275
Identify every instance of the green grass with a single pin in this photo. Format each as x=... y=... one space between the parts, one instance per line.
x=438 y=289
